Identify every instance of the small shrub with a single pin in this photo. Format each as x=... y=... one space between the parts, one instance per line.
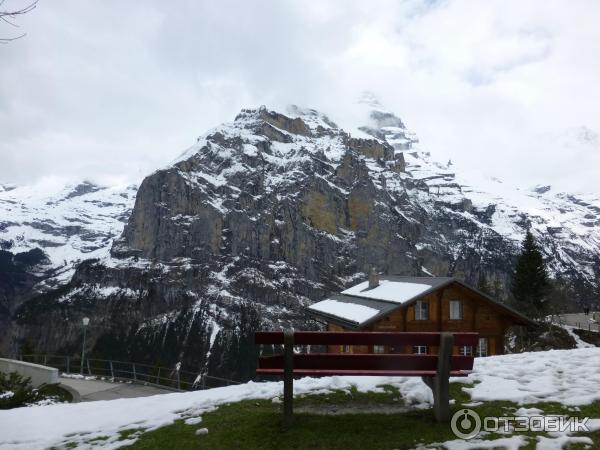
x=17 y=391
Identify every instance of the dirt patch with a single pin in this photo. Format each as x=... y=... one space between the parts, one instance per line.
x=333 y=409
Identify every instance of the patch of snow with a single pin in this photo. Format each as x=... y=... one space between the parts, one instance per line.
x=391 y=291
x=355 y=313
x=578 y=341
x=6 y=394
x=563 y=376
x=507 y=443
x=193 y=420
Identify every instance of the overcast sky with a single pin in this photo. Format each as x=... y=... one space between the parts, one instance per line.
x=110 y=90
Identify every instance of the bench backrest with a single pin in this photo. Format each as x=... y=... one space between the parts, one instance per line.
x=369 y=363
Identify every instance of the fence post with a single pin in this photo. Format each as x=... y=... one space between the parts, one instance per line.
x=178 y=381
x=203 y=381
x=68 y=364
x=88 y=367
x=288 y=377
x=45 y=360
x=134 y=374
x=158 y=376
x=112 y=372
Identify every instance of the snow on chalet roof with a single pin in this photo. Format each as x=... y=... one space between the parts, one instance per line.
x=350 y=311
x=360 y=304
x=396 y=289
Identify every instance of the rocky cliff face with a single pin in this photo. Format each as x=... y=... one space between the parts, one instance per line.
x=264 y=215
x=46 y=230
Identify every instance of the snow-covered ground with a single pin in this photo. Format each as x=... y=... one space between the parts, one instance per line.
x=570 y=377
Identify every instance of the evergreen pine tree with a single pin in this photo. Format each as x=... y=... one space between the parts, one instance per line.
x=530 y=280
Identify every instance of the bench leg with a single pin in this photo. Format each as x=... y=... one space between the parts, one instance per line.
x=288 y=378
x=441 y=402
x=442 y=379
x=441 y=397
x=440 y=384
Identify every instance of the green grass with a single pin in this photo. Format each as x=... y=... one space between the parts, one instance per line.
x=256 y=424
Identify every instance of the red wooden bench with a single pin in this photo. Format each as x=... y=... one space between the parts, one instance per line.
x=435 y=370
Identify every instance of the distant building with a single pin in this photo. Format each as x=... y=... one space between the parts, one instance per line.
x=394 y=303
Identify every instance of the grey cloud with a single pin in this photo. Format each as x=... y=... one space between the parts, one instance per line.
x=111 y=89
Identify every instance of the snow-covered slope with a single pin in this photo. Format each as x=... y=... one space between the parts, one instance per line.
x=69 y=222
x=566 y=224
x=568 y=377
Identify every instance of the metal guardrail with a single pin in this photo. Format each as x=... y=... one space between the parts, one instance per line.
x=176 y=379
x=591 y=323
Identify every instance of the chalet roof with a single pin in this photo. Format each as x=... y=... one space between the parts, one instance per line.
x=360 y=305
x=397 y=289
x=351 y=311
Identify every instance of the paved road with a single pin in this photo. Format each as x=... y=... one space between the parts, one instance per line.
x=92 y=390
x=580 y=320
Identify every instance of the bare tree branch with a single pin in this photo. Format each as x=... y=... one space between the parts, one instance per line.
x=8 y=16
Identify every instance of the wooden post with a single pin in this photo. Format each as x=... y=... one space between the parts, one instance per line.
x=88 y=367
x=288 y=377
x=112 y=372
x=68 y=365
x=441 y=393
x=134 y=374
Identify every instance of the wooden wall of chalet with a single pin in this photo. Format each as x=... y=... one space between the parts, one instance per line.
x=478 y=314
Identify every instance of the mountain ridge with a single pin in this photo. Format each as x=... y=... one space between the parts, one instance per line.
x=270 y=212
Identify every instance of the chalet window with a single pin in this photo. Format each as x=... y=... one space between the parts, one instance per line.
x=465 y=350
x=482 y=348
x=420 y=349
x=421 y=310
x=455 y=310
x=378 y=349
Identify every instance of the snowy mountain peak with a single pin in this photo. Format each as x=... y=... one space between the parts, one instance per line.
x=70 y=222
x=270 y=212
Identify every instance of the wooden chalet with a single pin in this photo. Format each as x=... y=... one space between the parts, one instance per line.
x=394 y=303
